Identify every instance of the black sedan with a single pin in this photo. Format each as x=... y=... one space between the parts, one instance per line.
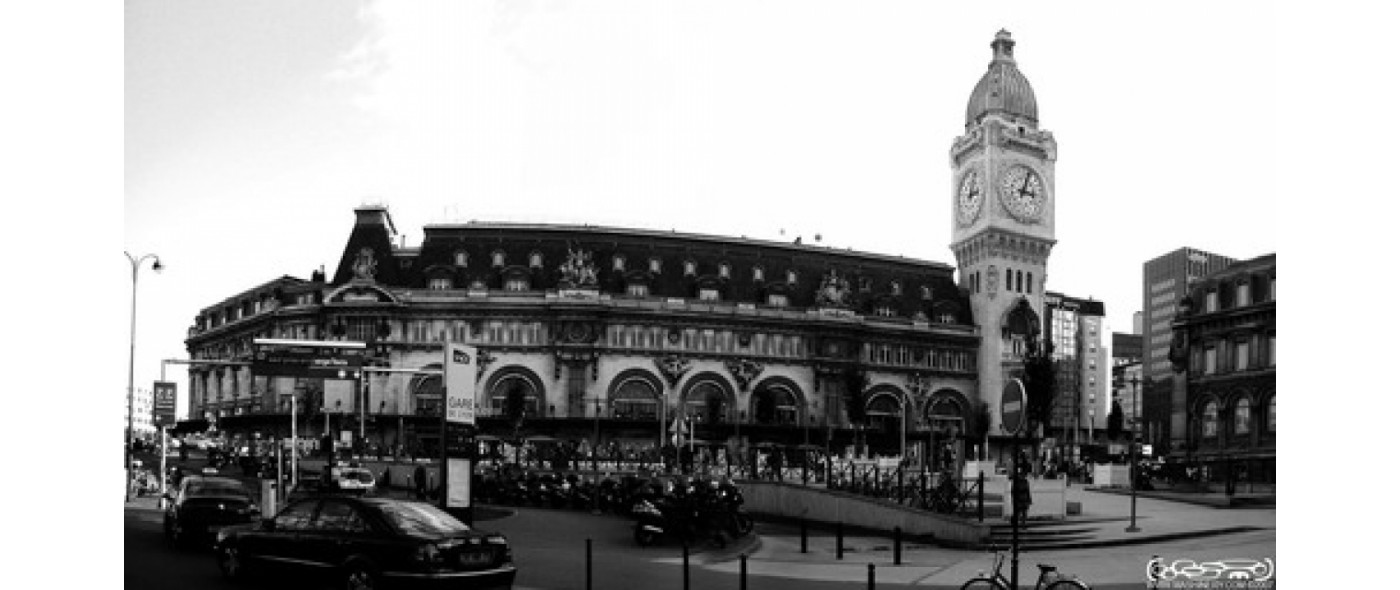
x=202 y=504
x=361 y=542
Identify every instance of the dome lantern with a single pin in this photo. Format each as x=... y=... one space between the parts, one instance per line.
x=1003 y=89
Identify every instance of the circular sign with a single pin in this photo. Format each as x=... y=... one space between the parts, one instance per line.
x=1013 y=406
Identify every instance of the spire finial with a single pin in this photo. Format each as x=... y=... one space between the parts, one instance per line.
x=1002 y=47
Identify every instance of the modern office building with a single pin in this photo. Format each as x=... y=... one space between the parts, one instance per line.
x=1076 y=330
x=1165 y=281
x=1224 y=355
x=610 y=334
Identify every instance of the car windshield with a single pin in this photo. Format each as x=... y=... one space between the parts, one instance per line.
x=216 y=488
x=416 y=518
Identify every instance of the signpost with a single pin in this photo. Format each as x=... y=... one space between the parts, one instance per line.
x=1013 y=420
x=163 y=416
x=458 y=424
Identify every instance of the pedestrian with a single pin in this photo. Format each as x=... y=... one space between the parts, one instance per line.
x=1020 y=496
x=420 y=482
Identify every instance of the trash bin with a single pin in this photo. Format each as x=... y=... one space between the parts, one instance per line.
x=269 y=497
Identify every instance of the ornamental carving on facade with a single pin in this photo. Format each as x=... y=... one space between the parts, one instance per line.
x=744 y=372
x=835 y=291
x=578 y=270
x=673 y=367
x=483 y=361
x=918 y=384
x=364 y=265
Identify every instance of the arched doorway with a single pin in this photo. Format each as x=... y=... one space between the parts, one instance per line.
x=945 y=417
x=883 y=419
x=635 y=398
x=776 y=404
x=707 y=401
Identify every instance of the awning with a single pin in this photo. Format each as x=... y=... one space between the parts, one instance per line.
x=189 y=426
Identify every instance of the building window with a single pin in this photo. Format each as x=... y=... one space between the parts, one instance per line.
x=536 y=260
x=1210 y=420
x=1242 y=294
x=926 y=293
x=439 y=284
x=517 y=285
x=1242 y=416
x=1030 y=288
x=896 y=289
x=1008 y=280
x=638 y=290
x=1272 y=360
x=655 y=265
x=460 y=258
x=884 y=311
x=792 y=277
x=690 y=268
x=758 y=274
x=1273 y=414
x=1018 y=281
x=1272 y=293
x=724 y=270
x=498 y=259
x=709 y=294
x=777 y=300
x=619 y=263
x=1212 y=302
x=1210 y=361
x=1242 y=355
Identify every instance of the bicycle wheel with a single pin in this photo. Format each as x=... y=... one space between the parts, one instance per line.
x=1067 y=585
x=983 y=584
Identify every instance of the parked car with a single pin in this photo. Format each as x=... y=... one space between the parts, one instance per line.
x=355 y=479
x=367 y=542
x=203 y=504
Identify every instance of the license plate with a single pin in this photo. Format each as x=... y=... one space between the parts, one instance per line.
x=475 y=558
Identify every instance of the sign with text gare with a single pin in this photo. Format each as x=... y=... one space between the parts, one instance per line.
x=309 y=359
x=163 y=404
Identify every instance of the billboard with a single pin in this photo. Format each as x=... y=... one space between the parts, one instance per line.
x=459 y=381
x=163 y=404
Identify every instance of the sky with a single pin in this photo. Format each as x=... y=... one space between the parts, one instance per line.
x=253 y=129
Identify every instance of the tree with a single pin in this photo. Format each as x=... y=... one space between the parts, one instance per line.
x=1115 y=421
x=515 y=406
x=1040 y=386
x=854 y=379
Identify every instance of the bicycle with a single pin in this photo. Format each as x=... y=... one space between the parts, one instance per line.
x=1049 y=579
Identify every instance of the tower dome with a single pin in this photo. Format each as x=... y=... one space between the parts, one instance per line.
x=1002 y=89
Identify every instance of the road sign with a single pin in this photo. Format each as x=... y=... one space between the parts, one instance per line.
x=163 y=406
x=309 y=358
x=459 y=381
x=1013 y=406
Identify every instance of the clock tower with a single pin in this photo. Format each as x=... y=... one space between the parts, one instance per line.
x=1003 y=211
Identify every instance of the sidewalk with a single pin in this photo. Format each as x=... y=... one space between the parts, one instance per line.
x=1119 y=557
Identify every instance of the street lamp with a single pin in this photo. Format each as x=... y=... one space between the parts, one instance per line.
x=131 y=370
x=1132 y=454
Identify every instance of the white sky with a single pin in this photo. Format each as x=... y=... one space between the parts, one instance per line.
x=252 y=129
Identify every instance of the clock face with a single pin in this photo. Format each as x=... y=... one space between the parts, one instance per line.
x=970 y=197
x=1022 y=193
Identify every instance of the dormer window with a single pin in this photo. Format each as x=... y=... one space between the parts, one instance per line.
x=517 y=285
x=884 y=311
x=619 y=263
x=792 y=277
x=460 y=258
x=536 y=260
x=1212 y=302
x=896 y=289
x=758 y=274
x=654 y=265
x=777 y=300
x=724 y=270
x=638 y=290
x=927 y=294
x=439 y=284
x=709 y=294
x=1242 y=294
x=498 y=259
x=690 y=268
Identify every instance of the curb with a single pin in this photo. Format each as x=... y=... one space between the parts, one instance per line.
x=748 y=544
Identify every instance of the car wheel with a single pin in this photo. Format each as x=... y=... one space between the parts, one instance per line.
x=360 y=577
x=232 y=563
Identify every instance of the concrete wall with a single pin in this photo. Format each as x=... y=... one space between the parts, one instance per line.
x=828 y=506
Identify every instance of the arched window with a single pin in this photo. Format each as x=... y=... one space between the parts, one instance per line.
x=1210 y=420
x=635 y=399
x=1030 y=283
x=498 y=259
x=724 y=270
x=758 y=274
x=536 y=260
x=1242 y=416
x=1018 y=281
x=690 y=268
x=619 y=263
x=707 y=403
x=1008 y=279
x=460 y=259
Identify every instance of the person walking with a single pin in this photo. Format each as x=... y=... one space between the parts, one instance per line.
x=1020 y=495
x=420 y=482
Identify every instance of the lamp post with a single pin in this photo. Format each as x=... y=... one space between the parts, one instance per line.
x=1132 y=454
x=131 y=370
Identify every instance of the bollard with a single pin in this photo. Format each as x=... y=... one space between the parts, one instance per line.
x=840 y=541
x=898 y=545
x=981 y=488
x=743 y=571
x=588 y=564
x=870 y=576
x=685 y=566
x=802 y=525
